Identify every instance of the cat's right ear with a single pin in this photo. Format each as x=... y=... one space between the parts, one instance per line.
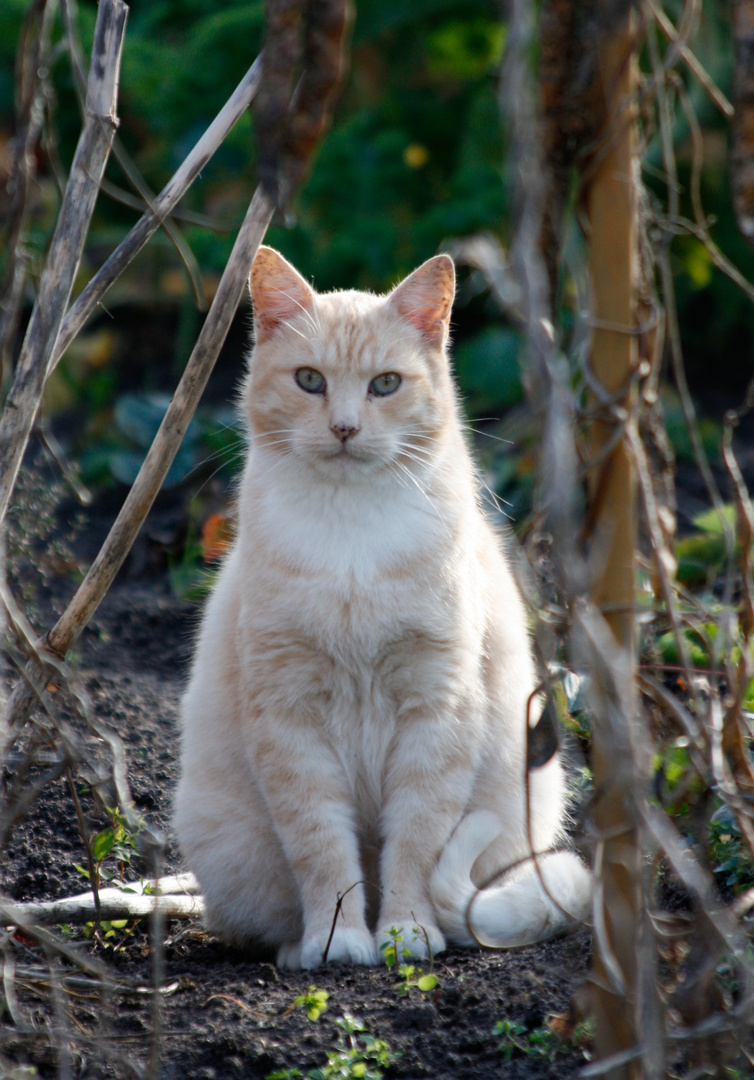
x=425 y=298
x=278 y=292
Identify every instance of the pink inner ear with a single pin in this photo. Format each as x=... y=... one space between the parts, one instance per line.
x=278 y=293
x=425 y=298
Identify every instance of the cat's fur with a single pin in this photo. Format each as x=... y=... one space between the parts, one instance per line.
x=357 y=705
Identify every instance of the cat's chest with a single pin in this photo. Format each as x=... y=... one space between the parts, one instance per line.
x=354 y=537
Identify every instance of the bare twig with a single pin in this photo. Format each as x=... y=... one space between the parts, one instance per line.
x=67 y=245
x=163 y=205
x=113 y=904
x=30 y=112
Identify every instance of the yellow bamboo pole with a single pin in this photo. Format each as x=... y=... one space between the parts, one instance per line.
x=611 y=208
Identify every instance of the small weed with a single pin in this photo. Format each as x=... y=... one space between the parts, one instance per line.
x=731 y=862
x=116 y=842
x=108 y=931
x=389 y=949
x=408 y=973
x=357 y=1056
x=422 y=982
x=314 y=1001
x=540 y=1043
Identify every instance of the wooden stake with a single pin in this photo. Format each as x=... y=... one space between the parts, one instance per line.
x=618 y=992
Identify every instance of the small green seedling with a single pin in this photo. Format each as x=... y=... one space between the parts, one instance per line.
x=357 y=1056
x=408 y=973
x=542 y=1042
x=422 y=982
x=314 y=1001
x=390 y=950
x=116 y=842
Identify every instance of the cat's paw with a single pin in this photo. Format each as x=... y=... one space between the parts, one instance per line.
x=348 y=946
x=289 y=956
x=417 y=941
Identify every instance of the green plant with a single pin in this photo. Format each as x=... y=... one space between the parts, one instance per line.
x=314 y=1001
x=408 y=972
x=116 y=842
x=422 y=982
x=730 y=858
x=356 y=1056
x=389 y=949
x=517 y=1040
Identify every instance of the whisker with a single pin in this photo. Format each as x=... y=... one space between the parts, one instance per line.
x=306 y=311
x=295 y=331
x=488 y=435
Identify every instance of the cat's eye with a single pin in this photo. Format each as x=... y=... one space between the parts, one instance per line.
x=310 y=380
x=382 y=385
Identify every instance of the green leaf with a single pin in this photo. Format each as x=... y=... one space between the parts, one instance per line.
x=81 y=870
x=427 y=982
x=710 y=521
x=103 y=844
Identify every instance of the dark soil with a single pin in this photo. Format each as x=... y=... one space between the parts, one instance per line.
x=222 y=1013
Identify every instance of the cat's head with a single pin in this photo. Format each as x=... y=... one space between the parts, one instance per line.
x=347 y=381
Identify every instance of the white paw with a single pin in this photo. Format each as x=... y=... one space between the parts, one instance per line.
x=348 y=946
x=415 y=939
x=289 y=956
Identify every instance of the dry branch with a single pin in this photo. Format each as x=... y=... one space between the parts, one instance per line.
x=176 y=898
x=30 y=115
x=312 y=32
x=159 y=457
x=171 y=431
x=67 y=244
x=743 y=124
x=162 y=206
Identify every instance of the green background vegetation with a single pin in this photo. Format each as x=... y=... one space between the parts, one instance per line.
x=414 y=161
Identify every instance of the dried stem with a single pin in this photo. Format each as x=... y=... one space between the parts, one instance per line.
x=67 y=245
x=162 y=206
x=171 y=431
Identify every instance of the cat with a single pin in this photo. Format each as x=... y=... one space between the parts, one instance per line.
x=355 y=720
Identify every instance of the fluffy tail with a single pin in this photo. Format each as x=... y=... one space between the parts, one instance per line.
x=505 y=916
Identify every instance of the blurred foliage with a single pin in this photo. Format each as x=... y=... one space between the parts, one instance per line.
x=414 y=160
x=702 y=555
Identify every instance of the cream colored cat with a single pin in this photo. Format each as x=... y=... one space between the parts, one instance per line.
x=356 y=714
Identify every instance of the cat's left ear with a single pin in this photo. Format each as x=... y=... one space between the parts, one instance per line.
x=425 y=298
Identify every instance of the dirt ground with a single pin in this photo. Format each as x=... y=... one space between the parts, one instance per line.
x=221 y=1013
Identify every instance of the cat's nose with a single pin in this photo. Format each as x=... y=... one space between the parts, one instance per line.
x=343 y=430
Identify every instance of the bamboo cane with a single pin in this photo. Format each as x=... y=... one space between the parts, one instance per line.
x=618 y=993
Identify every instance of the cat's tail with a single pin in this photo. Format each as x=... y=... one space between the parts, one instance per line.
x=505 y=916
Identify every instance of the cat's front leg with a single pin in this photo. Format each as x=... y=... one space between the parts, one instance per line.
x=428 y=784
x=305 y=791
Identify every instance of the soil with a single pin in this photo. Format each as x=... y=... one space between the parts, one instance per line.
x=222 y=1013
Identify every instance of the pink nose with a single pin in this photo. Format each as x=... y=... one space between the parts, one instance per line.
x=344 y=431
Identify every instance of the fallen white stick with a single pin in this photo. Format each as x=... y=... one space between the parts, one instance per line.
x=177 y=898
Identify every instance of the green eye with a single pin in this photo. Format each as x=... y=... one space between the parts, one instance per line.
x=310 y=380
x=385 y=384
